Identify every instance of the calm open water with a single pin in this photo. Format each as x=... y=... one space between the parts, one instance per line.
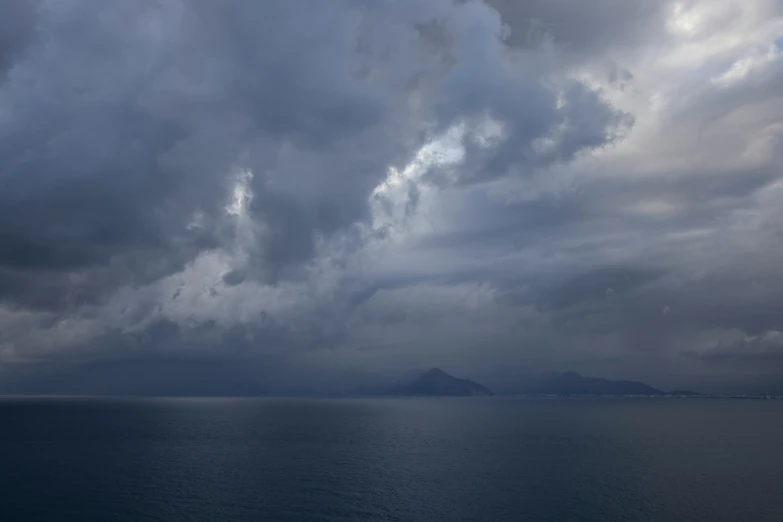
x=481 y=459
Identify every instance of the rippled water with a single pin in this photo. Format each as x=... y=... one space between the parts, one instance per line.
x=482 y=459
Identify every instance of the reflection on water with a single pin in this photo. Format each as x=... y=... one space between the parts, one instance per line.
x=476 y=459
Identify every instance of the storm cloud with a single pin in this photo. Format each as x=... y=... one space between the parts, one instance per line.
x=308 y=195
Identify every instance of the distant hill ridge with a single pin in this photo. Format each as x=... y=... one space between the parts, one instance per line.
x=572 y=383
x=437 y=383
x=433 y=383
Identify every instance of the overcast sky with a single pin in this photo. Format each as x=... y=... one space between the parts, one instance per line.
x=226 y=197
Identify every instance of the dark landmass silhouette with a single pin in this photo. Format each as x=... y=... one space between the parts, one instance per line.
x=433 y=383
x=572 y=383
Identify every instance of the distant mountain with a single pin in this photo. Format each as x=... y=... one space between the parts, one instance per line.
x=572 y=383
x=434 y=383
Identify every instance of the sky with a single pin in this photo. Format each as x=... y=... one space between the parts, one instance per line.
x=202 y=197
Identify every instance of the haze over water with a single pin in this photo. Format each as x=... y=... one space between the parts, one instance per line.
x=456 y=459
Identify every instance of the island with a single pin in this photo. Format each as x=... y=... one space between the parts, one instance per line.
x=572 y=383
x=432 y=383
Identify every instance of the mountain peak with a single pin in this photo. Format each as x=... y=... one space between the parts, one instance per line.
x=436 y=372
x=436 y=382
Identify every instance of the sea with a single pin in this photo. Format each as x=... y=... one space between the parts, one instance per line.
x=400 y=459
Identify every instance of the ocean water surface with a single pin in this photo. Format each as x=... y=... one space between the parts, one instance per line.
x=456 y=459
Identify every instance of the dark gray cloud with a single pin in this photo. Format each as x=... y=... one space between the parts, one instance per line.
x=300 y=195
x=18 y=24
x=584 y=29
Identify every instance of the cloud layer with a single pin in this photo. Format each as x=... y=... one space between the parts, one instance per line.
x=303 y=195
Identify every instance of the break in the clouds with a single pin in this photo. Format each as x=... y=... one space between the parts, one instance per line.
x=227 y=197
